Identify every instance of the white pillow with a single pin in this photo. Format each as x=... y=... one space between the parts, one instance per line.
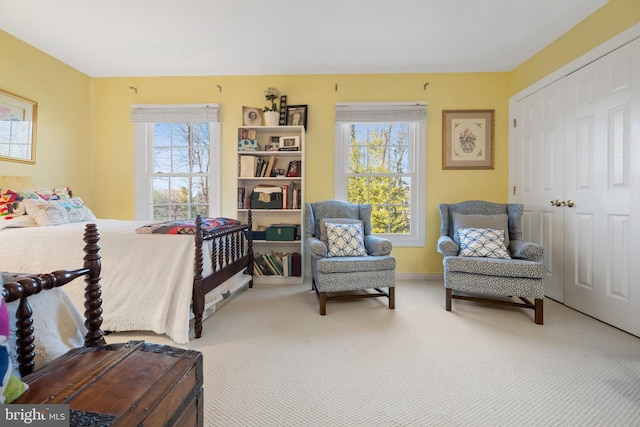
x=17 y=222
x=482 y=242
x=56 y=212
x=324 y=221
x=345 y=240
x=496 y=222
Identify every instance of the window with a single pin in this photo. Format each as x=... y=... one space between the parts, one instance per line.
x=177 y=161
x=380 y=159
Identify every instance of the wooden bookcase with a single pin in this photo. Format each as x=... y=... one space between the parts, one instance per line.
x=268 y=210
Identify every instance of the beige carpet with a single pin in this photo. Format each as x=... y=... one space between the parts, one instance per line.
x=271 y=360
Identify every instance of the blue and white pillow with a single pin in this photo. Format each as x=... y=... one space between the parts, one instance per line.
x=482 y=242
x=345 y=240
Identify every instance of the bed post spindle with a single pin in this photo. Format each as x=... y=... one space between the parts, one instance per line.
x=198 y=295
x=250 y=247
x=24 y=327
x=93 y=291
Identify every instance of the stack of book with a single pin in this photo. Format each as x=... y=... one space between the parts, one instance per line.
x=274 y=263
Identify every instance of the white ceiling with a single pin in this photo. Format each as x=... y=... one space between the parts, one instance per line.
x=110 y=38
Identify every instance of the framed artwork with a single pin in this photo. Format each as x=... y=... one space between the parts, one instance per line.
x=289 y=143
x=252 y=116
x=467 y=139
x=297 y=115
x=283 y=110
x=17 y=128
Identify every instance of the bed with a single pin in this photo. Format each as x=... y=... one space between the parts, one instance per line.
x=165 y=283
x=51 y=355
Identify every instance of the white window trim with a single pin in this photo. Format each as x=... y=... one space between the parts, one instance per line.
x=144 y=116
x=364 y=112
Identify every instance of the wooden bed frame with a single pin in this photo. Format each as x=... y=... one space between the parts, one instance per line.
x=33 y=284
x=228 y=256
x=232 y=251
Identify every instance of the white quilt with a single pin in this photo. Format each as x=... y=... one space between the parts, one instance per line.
x=147 y=279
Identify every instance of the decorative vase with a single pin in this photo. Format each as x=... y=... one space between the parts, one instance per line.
x=271 y=118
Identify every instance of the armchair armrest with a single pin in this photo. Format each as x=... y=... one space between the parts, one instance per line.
x=447 y=246
x=316 y=247
x=377 y=246
x=526 y=250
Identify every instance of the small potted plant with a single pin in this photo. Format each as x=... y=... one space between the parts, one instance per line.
x=271 y=114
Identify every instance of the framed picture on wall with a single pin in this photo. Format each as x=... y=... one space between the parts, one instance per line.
x=297 y=115
x=468 y=139
x=18 y=125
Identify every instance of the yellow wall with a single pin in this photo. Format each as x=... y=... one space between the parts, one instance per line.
x=63 y=94
x=611 y=19
x=85 y=138
x=113 y=134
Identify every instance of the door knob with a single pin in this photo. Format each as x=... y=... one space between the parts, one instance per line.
x=571 y=203
x=557 y=202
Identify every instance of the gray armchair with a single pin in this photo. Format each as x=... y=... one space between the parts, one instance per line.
x=483 y=271
x=339 y=263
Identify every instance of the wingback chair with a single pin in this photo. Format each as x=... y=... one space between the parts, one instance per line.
x=476 y=263
x=345 y=256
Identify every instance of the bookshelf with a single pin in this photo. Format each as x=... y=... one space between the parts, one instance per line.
x=270 y=177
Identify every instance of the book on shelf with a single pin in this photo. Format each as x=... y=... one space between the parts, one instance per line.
x=241 y=196
x=294 y=168
x=296 y=264
x=285 y=196
x=259 y=165
x=270 y=166
x=248 y=165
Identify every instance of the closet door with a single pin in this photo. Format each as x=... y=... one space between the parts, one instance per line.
x=537 y=177
x=602 y=183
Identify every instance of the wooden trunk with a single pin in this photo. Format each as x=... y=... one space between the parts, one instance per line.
x=128 y=384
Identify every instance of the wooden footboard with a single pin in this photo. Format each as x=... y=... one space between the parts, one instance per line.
x=232 y=251
x=33 y=284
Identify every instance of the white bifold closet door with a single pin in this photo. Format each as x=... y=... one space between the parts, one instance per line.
x=577 y=171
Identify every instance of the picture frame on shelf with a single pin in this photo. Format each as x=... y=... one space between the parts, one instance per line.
x=283 y=110
x=297 y=115
x=289 y=143
x=252 y=116
x=468 y=139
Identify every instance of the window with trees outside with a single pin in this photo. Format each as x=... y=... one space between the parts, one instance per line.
x=177 y=152
x=380 y=159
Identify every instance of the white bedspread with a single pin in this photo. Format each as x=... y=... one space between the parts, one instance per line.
x=147 y=279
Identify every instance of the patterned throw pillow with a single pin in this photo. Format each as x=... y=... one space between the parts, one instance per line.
x=56 y=212
x=497 y=222
x=345 y=240
x=12 y=202
x=482 y=242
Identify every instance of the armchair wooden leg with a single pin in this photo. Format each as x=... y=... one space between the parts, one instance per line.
x=538 y=307
x=448 y=299
x=323 y=303
x=392 y=297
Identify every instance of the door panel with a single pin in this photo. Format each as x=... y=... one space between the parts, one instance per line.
x=602 y=119
x=537 y=177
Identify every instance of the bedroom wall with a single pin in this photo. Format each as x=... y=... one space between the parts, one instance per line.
x=606 y=22
x=63 y=139
x=113 y=134
x=85 y=138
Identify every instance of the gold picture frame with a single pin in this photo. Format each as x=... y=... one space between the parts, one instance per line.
x=468 y=139
x=18 y=120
